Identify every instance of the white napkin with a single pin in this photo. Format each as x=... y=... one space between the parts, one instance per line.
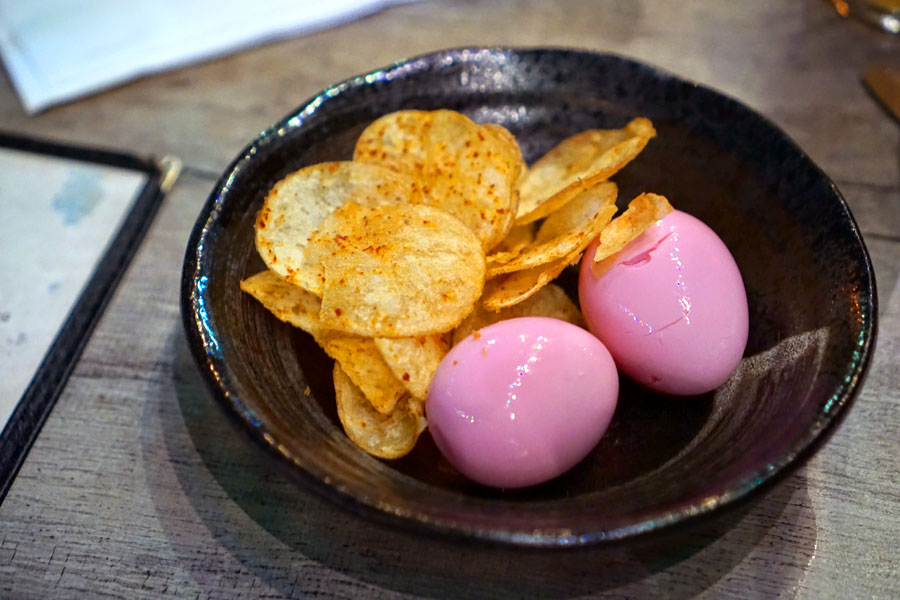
x=57 y=50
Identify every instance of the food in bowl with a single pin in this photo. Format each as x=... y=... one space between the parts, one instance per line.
x=670 y=306
x=435 y=229
x=522 y=401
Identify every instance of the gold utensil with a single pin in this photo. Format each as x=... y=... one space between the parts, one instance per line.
x=884 y=83
x=884 y=14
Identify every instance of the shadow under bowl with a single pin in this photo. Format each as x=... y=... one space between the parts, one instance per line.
x=664 y=461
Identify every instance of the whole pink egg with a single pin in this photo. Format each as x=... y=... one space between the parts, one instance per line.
x=521 y=401
x=671 y=306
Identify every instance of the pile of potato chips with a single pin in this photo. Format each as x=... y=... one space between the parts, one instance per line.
x=436 y=228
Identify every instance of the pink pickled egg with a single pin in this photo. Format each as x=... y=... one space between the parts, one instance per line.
x=671 y=307
x=522 y=401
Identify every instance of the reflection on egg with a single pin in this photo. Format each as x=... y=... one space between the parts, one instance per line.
x=522 y=401
x=671 y=307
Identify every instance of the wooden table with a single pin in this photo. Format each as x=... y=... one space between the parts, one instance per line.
x=138 y=486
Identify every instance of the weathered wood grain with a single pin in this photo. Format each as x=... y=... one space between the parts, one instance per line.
x=139 y=487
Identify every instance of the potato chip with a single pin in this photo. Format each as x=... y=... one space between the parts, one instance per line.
x=363 y=364
x=549 y=301
x=641 y=213
x=397 y=270
x=286 y=301
x=298 y=204
x=518 y=238
x=397 y=141
x=466 y=169
x=385 y=436
x=358 y=356
x=573 y=215
x=507 y=137
x=518 y=286
x=577 y=162
x=569 y=229
x=513 y=151
x=413 y=360
x=416 y=408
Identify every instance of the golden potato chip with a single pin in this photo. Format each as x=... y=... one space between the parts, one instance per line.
x=286 y=301
x=518 y=238
x=413 y=360
x=513 y=151
x=398 y=140
x=397 y=270
x=466 y=169
x=520 y=285
x=385 y=436
x=504 y=133
x=573 y=215
x=417 y=409
x=300 y=202
x=577 y=162
x=363 y=364
x=641 y=213
x=358 y=356
x=549 y=301
x=569 y=229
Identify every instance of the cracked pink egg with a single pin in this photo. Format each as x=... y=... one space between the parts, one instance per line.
x=521 y=401
x=671 y=307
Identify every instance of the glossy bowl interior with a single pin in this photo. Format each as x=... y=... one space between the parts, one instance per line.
x=664 y=461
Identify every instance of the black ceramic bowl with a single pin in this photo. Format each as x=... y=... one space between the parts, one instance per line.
x=663 y=461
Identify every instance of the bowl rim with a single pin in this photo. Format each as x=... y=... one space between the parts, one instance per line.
x=212 y=364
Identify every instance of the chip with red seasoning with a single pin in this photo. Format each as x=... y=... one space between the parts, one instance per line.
x=396 y=270
x=641 y=213
x=413 y=360
x=466 y=169
x=385 y=436
x=298 y=204
x=577 y=163
x=570 y=229
x=520 y=285
x=290 y=303
x=364 y=365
